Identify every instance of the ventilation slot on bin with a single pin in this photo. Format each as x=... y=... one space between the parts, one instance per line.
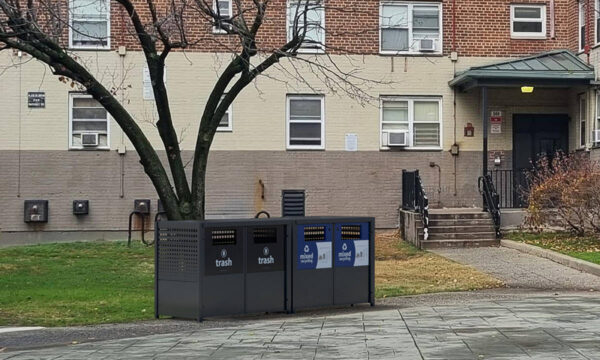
x=351 y=232
x=178 y=253
x=265 y=235
x=314 y=233
x=223 y=237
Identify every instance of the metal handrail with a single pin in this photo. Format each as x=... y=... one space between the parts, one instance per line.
x=422 y=205
x=491 y=200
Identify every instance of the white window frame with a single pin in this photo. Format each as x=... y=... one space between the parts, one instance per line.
x=316 y=50
x=580 y=23
x=528 y=35
x=411 y=100
x=229 y=127
x=75 y=95
x=582 y=121
x=596 y=18
x=597 y=118
x=89 y=47
x=411 y=45
x=216 y=29
x=288 y=122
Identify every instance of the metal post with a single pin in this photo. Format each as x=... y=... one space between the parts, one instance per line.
x=484 y=119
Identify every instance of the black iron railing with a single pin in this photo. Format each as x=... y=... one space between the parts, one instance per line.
x=414 y=197
x=491 y=200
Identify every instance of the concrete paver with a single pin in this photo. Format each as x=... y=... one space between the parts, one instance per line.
x=538 y=327
x=520 y=270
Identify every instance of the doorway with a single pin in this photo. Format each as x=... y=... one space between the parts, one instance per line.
x=534 y=136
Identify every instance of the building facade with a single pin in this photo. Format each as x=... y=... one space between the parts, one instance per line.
x=432 y=59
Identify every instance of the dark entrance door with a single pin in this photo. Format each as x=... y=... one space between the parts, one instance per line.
x=535 y=136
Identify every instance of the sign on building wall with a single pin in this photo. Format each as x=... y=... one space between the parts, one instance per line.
x=496 y=129
x=496 y=117
x=351 y=142
x=36 y=99
x=148 y=92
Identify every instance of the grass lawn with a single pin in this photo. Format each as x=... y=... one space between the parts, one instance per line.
x=76 y=283
x=401 y=269
x=585 y=248
x=105 y=282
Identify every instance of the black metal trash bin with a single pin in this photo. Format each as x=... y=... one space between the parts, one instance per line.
x=265 y=287
x=312 y=279
x=353 y=278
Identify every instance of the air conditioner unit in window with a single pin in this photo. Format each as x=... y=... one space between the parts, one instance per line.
x=89 y=139
x=597 y=136
x=427 y=45
x=396 y=138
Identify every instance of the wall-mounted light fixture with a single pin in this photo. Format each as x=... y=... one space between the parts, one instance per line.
x=527 y=89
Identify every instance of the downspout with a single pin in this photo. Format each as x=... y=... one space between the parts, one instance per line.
x=20 y=114
x=453 y=25
x=455 y=160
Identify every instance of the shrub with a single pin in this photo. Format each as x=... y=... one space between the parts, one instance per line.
x=564 y=191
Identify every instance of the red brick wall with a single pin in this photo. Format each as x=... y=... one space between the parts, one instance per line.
x=482 y=27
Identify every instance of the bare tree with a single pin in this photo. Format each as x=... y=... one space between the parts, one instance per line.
x=160 y=27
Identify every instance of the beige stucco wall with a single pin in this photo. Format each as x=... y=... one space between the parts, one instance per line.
x=259 y=112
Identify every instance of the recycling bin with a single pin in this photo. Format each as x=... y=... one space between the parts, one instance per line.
x=265 y=289
x=312 y=279
x=353 y=280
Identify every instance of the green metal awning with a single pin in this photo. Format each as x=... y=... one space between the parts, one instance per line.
x=558 y=68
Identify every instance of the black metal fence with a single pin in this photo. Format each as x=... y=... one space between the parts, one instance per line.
x=414 y=197
x=511 y=187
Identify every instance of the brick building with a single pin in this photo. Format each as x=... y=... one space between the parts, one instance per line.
x=450 y=64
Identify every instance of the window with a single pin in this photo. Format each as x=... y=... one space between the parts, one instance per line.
x=528 y=21
x=224 y=10
x=87 y=117
x=420 y=117
x=581 y=26
x=582 y=122
x=305 y=122
x=89 y=24
x=226 y=121
x=596 y=134
x=597 y=20
x=313 y=13
x=410 y=28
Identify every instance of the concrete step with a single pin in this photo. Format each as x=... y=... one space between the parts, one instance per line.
x=461 y=222
x=466 y=236
x=459 y=216
x=461 y=229
x=458 y=243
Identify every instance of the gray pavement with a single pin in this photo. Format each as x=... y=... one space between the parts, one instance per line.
x=539 y=327
x=520 y=270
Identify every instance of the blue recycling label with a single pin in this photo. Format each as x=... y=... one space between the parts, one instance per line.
x=352 y=253
x=314 y=253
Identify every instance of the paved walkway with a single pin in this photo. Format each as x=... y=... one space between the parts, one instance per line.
x=547 y=327
x=520 y=270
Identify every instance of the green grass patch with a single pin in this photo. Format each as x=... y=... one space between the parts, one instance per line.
x=581 y=247
x=76 y=283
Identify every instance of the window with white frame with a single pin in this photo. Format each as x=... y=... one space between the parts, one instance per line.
x=223 y=8
x=305 y=122
x=528 y=21
x=597 y=128
x=226 y=123
x=88 y=123
x=419 y=117
x=307 y=17
x=410 y=27
x=582 y=27
x=597 y=20
x=89 y=24
x=582 y=120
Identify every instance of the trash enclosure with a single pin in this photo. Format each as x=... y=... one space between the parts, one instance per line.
x=228 y=267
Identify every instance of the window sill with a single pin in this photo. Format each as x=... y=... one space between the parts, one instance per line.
x=416 y=54
x=528 y=37
x=91 y=148
x=94 y=48
x=412 y=148
x=225 y=130
x=305 y=149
